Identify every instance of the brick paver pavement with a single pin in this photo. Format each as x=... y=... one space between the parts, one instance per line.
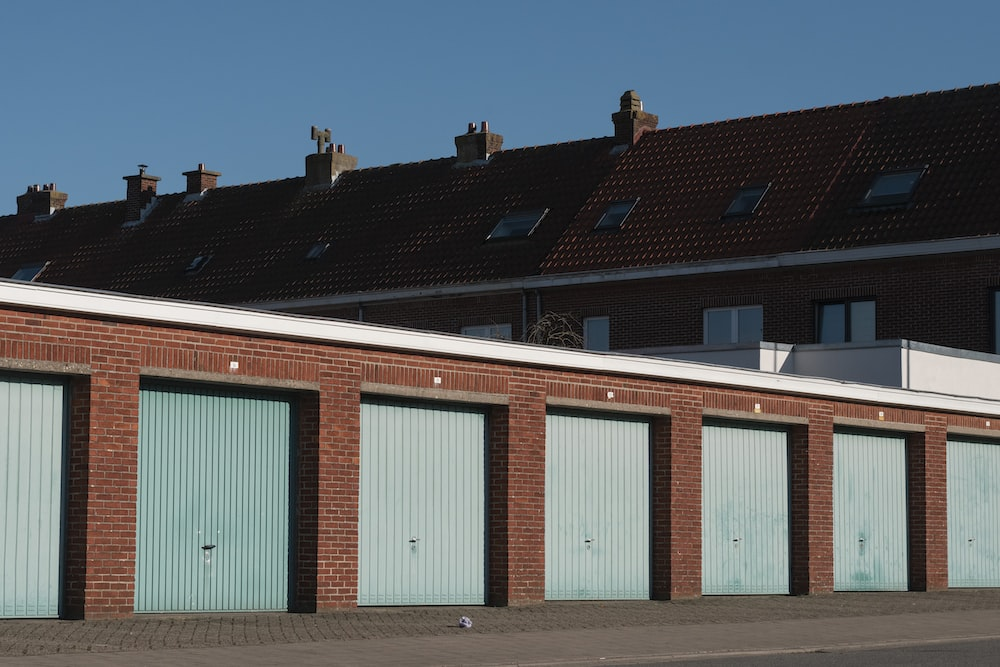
x=551 y=633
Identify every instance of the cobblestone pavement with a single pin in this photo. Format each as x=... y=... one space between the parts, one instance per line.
x=157 y=632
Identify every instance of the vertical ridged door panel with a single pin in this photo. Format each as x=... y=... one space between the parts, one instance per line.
x=973 y=514
x=745 y=515
x=32 y=446
x=422 y=505
x=596 y=508
x=213 y=501
x=869 y=512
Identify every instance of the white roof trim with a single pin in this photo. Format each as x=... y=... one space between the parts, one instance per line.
x=782 y=260
x=105 y=305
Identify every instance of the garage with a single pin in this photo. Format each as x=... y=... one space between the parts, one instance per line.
x=213 y=504
x=973 y=514
x=422 y=504
x=597 y=517
x=869 y=512
x=32 y=450
x=745 y=510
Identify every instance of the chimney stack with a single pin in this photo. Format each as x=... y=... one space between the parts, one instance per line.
x=477 y=147
x=41 y=200
x=631 y=122
x=139 y=191
x=200 y=179
x=328 y=162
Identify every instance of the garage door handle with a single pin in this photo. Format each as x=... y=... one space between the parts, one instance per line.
x=414 y=540
x=208 y=547
x=589 y=540
x=972 y=539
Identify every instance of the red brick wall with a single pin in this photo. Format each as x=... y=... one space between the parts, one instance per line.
x=100 y=541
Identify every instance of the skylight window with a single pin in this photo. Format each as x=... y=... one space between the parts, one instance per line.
x=893 y=187
x=317 y=250
x=517 y=225
x=615 y=214
x=28 y=272
x=746 y=201
x=197 y=264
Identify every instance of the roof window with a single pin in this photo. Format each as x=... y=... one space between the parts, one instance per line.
x=893 y=187
x=517 y=225
x=746 y=201
x=317 y=250
x=615 y=214
x=197 y=264
x=28 y=272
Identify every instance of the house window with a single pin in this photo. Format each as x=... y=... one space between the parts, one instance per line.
x=317 y=250
x=615 y=214
x=891 y=188
x=846 y=321
x=596 y=333
x=996 y=321
x=743 y=324
x=197 y=264
x=746 y=201
x=28 y=272
x=517 y=225
x=494 y=331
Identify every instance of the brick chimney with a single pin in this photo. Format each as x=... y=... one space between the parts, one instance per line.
x=41 y=200
x=328 y=162
x=200 y=179
x=140 y=190
x=476 y=147
x=631 y=122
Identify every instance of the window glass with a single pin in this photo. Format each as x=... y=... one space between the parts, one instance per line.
x=751 y=325
x=517 y=225
x=495 y=331
x=894 y=187
x=862 y=321
x=746 y=200
x=615 y=214
x=28 y=272
x=744 y=324
x=832 y=325
x=597 y=333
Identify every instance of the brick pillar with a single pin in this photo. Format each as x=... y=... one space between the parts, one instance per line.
x=660 y=464
x=812 y=503
x=338 y=481
x=928 y=506
x=306 y=527
x=77 y=492
x=517 y=496
x=684 y=569
x=111 y=453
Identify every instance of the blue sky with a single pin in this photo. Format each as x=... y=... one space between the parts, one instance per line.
x=91 y=89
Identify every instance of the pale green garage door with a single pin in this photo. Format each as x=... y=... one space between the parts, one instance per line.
x=32 y=451
x=597 y=519
x=973 y=514
x=422 y=505
x=213 y=500
x=745 y=500
x=869 y=512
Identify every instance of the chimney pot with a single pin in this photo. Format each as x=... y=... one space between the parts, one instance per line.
x=631 y=122
x=472 y=128
x=476 y=147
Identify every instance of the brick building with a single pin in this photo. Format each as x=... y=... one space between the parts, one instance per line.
x=854 y=223
x=163 y=454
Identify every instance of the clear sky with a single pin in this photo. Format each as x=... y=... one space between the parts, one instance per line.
x=91 y=89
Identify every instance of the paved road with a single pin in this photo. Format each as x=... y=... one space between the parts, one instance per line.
x=552 y=633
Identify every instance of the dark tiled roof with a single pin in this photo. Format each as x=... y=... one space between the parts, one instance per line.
x=819 y=164
x=425 y=224
x=395 y=227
